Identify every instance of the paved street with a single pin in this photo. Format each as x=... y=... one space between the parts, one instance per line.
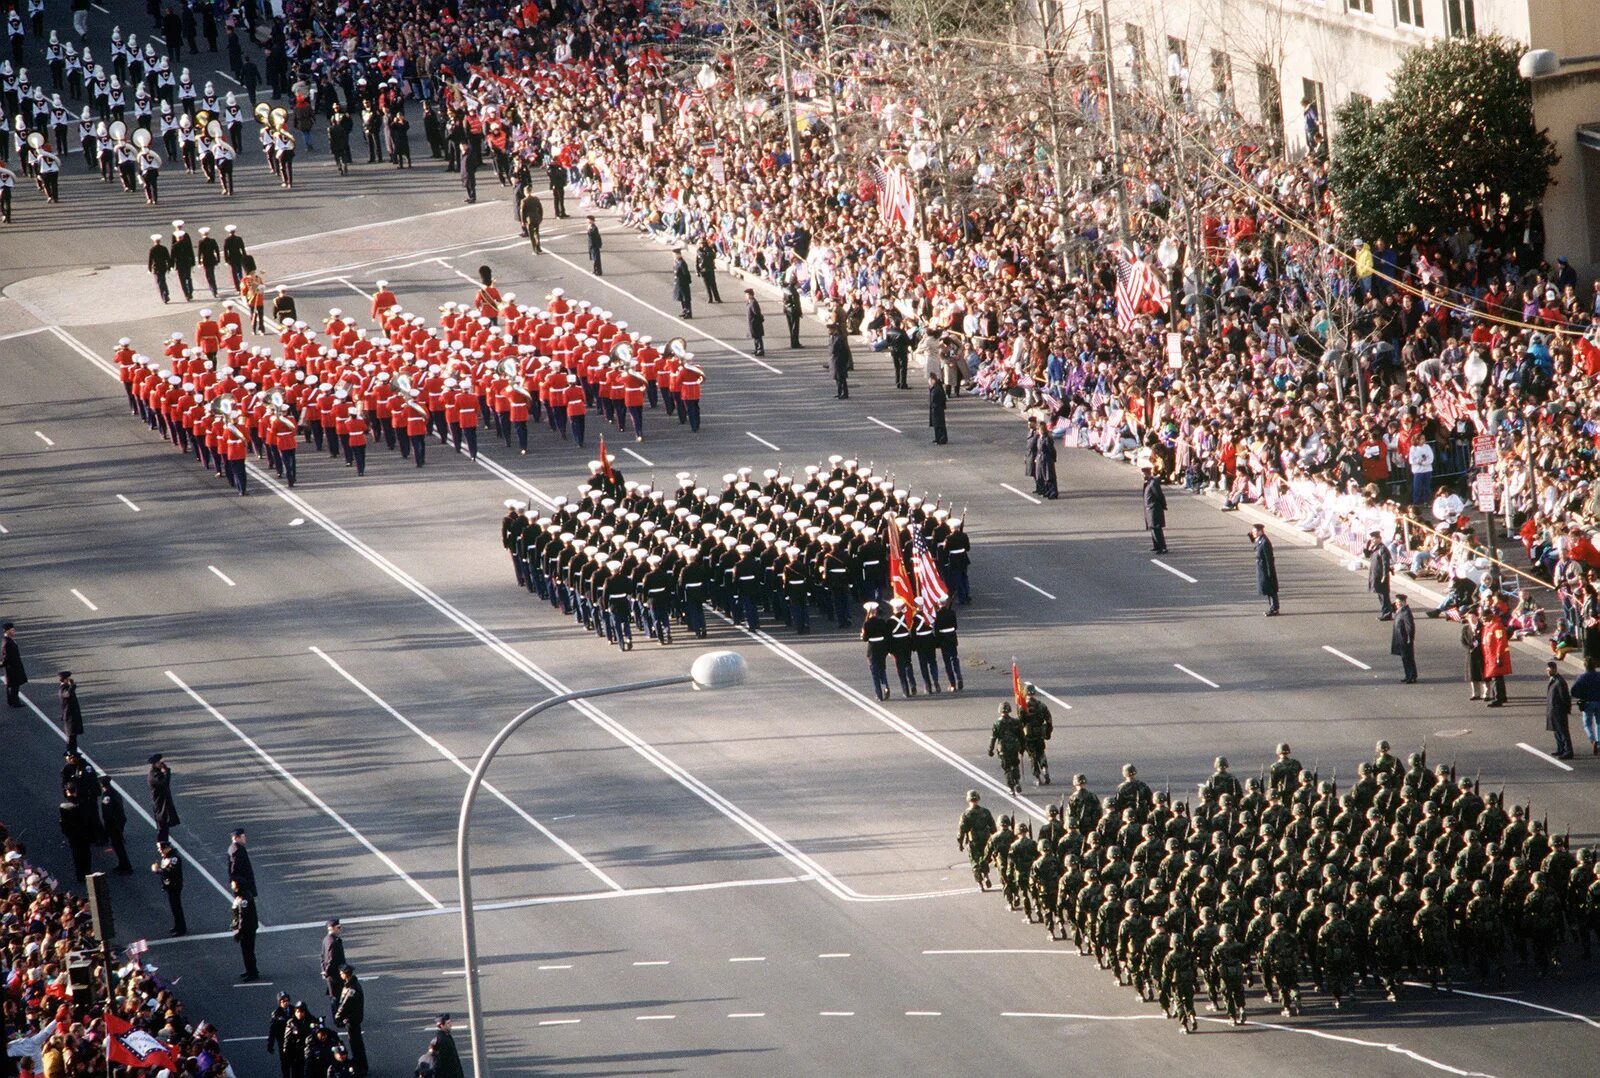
x=759 y=881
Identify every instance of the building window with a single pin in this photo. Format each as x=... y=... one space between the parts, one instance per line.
x=1222 y=81
x=1313 y=109
x=1408 y=13
x=1135 y=52
x=1462 y=19
x=1270 y=99
x=1363 y=6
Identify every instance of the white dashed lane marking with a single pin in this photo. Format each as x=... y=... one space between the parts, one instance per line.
x=884 y=425
x=1545 y=756
x=1034 y=587
x=84 y=599
x=1197 y=677
x=560 y=1021
x=1352 y=660
x=220 y=575
x=1180 y=574
x=755 y=958
x=129 y=504
x=657 y=962
x=39 y=434
x=1020 y=494
x=764 y=442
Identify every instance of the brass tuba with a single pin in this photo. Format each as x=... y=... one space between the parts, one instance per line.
x=263 y=113
x=678 y=347
x=622 y=352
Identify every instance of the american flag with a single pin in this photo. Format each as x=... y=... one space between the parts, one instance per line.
x=899 y=579
x=931 y=592
x=896 y=199
x=1137 y=283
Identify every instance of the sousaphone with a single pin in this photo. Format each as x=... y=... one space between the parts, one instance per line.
x=263 y=113
x=678 y=347
x=118 y=131
x=141 y=138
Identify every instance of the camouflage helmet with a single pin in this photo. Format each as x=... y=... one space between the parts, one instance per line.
x=1080 y=780
x=1480 y=887
x=1220 y=763
x=1415 y=759
x=1382 y=746
x=1283 y=748
x=1227 y=930
x=1005 y=821
x=1279 y=920
x=1005 y=707
x=1129 y=770
x=1332 y=911
x=1055 y=810
x=972 y=795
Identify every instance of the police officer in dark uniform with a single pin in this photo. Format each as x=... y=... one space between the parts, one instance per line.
x=792 y=312
x=113 y=820
x=169 y=868
x=755 y=322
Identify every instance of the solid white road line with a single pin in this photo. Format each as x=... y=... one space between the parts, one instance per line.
x=1020 y=494
x=222 y=576
x=465 y=769
x=885 y=426
x=84 y=599
x=1054 y=699
x=139 y=810
x=1519 y=1002
x=39 y=434
x=1081 y=1017
x=23 y=333
x=129 y=504
x=378 y=224
x=1035 y=587
x=487 y=907
x=690 y=326
x=1158 y=563
x=230 y=78
x=1387 y=1047
x=355 y=287
x=764 y=442
x=637 y=457
x=1541 y=754
x=305 y=791
x=1196 y=676
x=1056 y=953
x=376 y=266
x=1352 y=660
x=458 y=273
x=4 y=530
x=101 y=10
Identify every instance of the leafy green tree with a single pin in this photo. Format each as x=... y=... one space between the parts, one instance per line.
x=1454 y=144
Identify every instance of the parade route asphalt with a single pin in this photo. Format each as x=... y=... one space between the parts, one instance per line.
x=681 y=882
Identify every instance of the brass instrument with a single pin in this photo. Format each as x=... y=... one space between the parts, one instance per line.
x=678 y=347
x=622 y=353
x=141 y=138
x=118 y=130
x=280 y=119
x=263 y=113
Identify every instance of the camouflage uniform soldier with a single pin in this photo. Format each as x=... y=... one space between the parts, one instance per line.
x=1486 y=931
x=1336 y=945
x=1132 y=932
x=1178 y=977
x=996 y=854
x=1006 y=734
x=1285 y=773
x=1046 y=880
x=1024 y=852
x=1037 y=726
x=1282 y=963
x=977 y=824
x=1388 y=946
x=1541 y=914
x=1228 y=962
x=1083 y=809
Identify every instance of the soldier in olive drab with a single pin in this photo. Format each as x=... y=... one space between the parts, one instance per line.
x=1047 y=872
x=1204 y=938
x=1221 y=784
x=1148 y=981
x=1132 y=930
x=1542 y=921
x=1024 y=852
x=1485 y=931
x=1006 y=735
x=1228 y=962
x=997 y=856
x=977 y=824
x=1179 y=978
x=1336 y=949
x=1083 y=808
x=1037 y=726
x=1282 y=964
x=1133 y=794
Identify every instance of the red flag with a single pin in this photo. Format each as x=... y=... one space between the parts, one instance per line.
x=899 y=579
x=605 y=461
x=1016 y=684
x=136 y=1048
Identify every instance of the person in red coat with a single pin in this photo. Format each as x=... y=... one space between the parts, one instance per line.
x=1496 y=657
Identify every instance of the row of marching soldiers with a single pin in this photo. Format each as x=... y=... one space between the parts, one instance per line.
x=625 y=554
x=1410 y=874
x=345 y=387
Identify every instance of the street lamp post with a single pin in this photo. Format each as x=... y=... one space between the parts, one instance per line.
x=713 y=670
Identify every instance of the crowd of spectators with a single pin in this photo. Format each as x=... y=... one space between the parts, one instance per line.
x=1363 y=370
x=53 y=1020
